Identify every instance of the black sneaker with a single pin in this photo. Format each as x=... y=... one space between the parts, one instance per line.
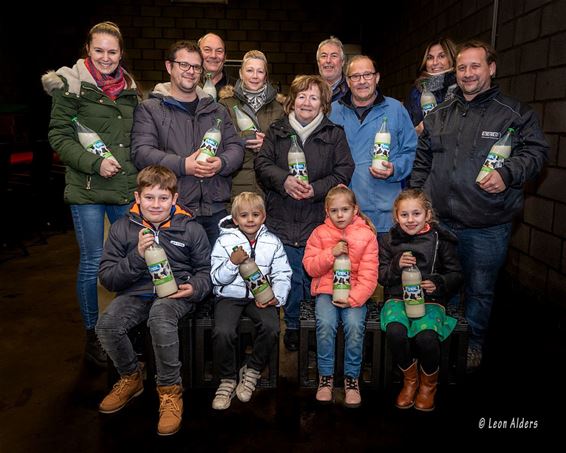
x=291 y=340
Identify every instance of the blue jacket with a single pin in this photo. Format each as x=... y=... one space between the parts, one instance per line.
x=375 y=196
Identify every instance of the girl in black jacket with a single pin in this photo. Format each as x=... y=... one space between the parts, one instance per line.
x=433 y=250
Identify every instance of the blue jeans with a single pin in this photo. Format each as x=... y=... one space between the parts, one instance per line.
x=89 y=230
x=300 y=287
x=162 y=315
x=482 y=252
x=354 y=322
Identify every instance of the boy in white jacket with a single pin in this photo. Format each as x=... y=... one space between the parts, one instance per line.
x=244 y=235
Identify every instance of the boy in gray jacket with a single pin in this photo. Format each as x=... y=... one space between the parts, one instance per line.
x=123 y=270
x=244 y=235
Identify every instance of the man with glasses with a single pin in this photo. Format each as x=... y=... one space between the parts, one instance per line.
x=330 y=58
x=213 y=52
x=361 y=111
x=169 y=128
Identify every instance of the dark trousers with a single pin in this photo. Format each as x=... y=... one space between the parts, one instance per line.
x=425 y=347
x=227 y=314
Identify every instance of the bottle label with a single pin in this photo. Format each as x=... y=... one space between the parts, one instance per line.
x=426 y=108
x=160 y=272
x=256 y=282
x=209 y=146
x=100 y=149
x=492 y=161
x=413 y=295
x=299 y=171
x=381 y=151
x=341 y=279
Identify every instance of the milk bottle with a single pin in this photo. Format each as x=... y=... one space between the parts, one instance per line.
x=245 y=123
x=256 y=282
x=209 y=87
x=500 y=151
x=381 y=146
x=159 y=269
x=341 y=284
x=210 y=142
x=413 y=295
x=297 y=161
x=428 y=101
x=91 y=141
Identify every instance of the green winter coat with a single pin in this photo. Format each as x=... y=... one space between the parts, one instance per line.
x=75 y=93
x=244 y=179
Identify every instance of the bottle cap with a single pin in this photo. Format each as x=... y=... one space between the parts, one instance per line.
x=511 y=130
x=146 y=231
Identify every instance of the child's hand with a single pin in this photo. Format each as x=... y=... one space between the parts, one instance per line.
x=340 y=248
x=267 y=304
x=144 y=241
x=407 y=260
x=185 y=290
x=238 y=256
x=428 y=286
x=341 y=303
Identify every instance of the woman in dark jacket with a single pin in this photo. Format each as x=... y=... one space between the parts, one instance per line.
x=257 y=99
x=437 y=73
x=295 y=207
x=102 y=96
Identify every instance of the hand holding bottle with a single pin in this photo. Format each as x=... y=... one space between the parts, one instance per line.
x=238 y=256
x=383 y=174
x=428 y=286
x=297 y=189
x=145 y=239
x=255 y=143
x=340 y=249
x=185 y=290
x=207 y=168
x=407 y=259
x=267 y=304
x=492 y=183
x=109 y=168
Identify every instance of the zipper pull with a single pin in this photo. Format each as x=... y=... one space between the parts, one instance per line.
x=88 y=183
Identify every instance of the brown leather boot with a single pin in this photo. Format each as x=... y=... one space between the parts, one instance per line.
x=406 y=397
x=170 y=409
x=427 y=391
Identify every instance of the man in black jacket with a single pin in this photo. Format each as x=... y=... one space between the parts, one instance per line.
x=458 y=136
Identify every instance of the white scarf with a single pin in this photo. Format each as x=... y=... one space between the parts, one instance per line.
x=304 y=131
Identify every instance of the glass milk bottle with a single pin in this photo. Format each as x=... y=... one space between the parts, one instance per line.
x=210 y=142
x=245 y=123
x=500 y=151
x=159 y=269
x=413 y=295
x=297 y=161
x=91 y=141
x=255 y=281
x=428 y=101
x=381 y=146
x=209 y=87
x=341 y=283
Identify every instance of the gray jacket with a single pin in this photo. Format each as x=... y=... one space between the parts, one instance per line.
x=164 y=133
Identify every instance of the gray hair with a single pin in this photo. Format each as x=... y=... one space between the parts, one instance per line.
x=332 y=40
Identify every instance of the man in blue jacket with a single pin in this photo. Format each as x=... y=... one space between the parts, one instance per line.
x=457 y=138
x=361 y=112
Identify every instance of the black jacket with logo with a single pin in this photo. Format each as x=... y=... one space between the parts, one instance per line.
x=455 y=142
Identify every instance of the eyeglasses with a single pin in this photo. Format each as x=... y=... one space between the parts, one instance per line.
x=184 y=66
x=365 y=75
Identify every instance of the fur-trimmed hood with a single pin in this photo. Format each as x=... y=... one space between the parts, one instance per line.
x=55 y=80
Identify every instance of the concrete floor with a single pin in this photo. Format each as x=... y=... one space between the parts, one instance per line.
x=49 y=397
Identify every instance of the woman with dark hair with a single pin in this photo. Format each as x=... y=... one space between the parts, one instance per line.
x=436 y=73
x=295 y=205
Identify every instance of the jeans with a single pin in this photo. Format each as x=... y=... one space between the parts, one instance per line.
x=482 y=252
x=227 y=313
x=354 y=322
x=162 y=315
x=89 y=230
x=300 y=287
x=210 y=225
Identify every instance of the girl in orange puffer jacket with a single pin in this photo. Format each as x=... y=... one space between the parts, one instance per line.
x=345 y=231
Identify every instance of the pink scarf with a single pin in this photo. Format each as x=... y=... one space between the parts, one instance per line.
x=111 y=85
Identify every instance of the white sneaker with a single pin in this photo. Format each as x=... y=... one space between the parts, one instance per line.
x=248 y=381
x=224 y=394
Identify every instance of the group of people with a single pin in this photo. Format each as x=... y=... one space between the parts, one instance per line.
x=293 y=227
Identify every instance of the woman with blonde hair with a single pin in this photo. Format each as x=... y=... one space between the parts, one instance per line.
x=257 y=99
